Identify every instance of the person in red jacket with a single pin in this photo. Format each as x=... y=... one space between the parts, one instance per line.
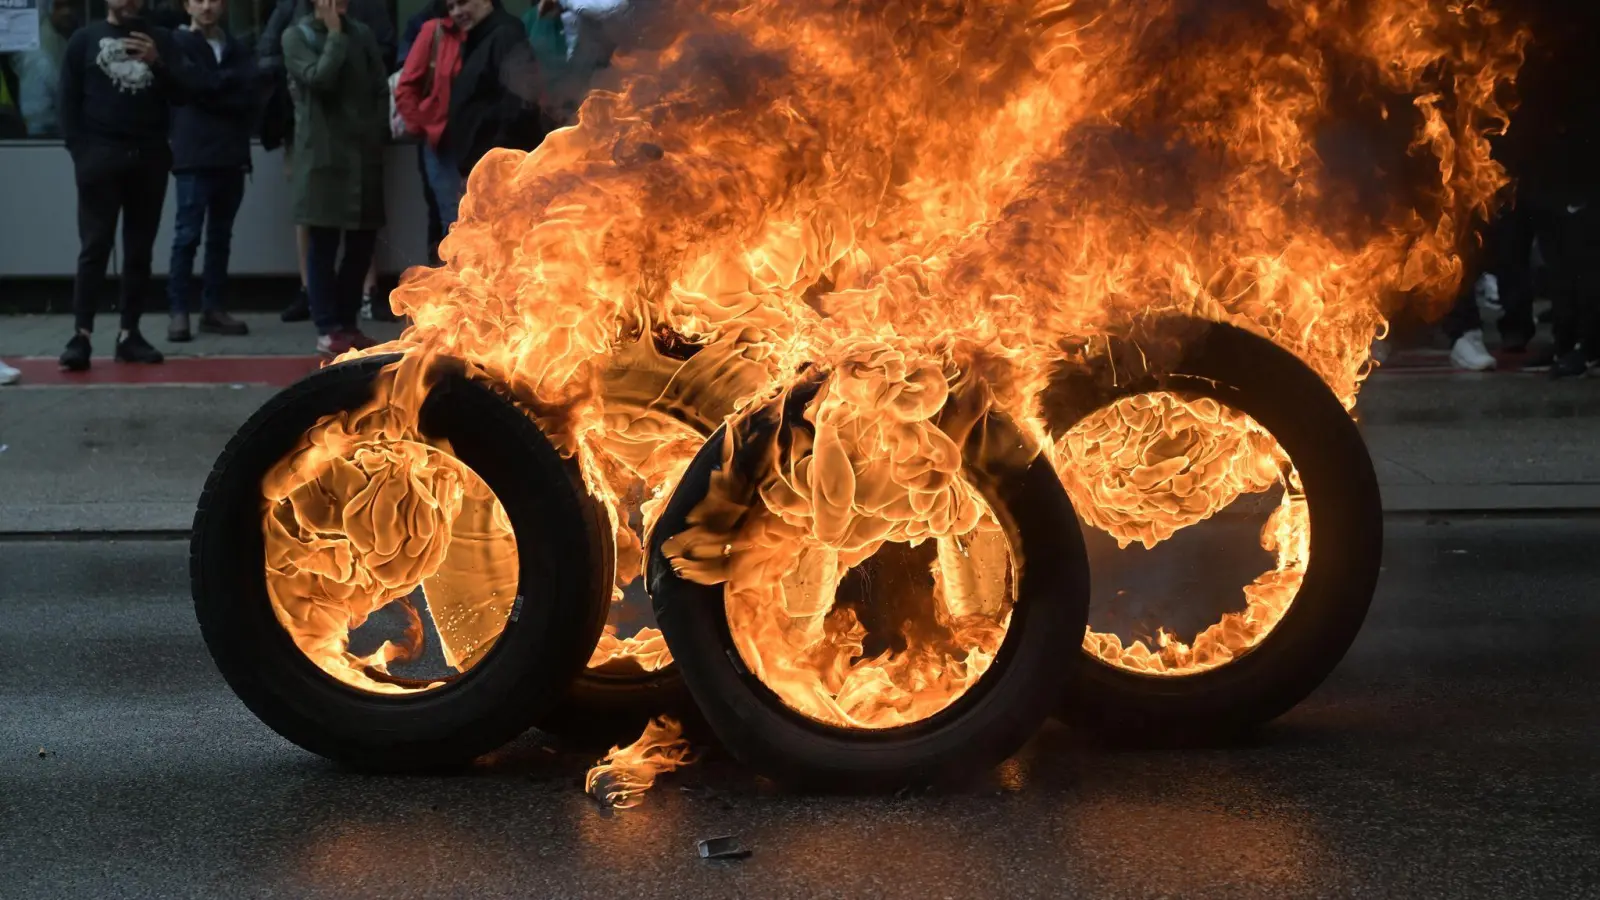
x=422 y=98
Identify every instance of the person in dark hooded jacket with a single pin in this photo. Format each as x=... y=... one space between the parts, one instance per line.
x=494 y=100
x=210 y=155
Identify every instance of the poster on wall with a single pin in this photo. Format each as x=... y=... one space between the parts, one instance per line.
x=19 y=26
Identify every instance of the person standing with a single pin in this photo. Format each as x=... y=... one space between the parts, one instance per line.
x=210 y=156
x=341 y=100
x=495 y=98
x=1551 y=146
x=115 y=87
x=269 y=54
x=435 y=233
x=422 y=98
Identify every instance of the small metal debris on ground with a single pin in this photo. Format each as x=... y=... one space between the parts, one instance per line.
x=726 y=847
x=45 y=753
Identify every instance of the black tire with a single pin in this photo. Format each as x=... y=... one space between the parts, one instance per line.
x=611 y=705
x=981 y=728
x=564 y=558
x=1255 y=376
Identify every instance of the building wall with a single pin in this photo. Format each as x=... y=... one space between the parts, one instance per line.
x=39 y=224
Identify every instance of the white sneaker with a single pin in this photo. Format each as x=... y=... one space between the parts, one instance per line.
x=1470 y=354
x=8 y=375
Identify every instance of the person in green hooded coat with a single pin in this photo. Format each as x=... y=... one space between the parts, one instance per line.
x=341 y=105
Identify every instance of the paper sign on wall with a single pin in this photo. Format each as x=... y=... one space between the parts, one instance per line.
x=19 y=25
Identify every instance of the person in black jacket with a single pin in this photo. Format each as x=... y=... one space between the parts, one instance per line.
x=116 y=82
x=210 y=156
x=494 y=100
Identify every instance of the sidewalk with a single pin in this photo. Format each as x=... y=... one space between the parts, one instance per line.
x=274 y=352
x=126 y=448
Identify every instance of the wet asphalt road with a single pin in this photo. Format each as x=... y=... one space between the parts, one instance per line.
x=1453 y=754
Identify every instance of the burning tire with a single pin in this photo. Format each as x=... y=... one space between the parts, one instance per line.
x=485 y=492
x=663 y=398
x=1327 y=533
x=996 y=710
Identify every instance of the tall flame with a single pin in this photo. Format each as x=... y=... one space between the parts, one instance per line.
x=929 y=203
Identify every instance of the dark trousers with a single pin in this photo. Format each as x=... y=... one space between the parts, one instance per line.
x=1509 y=251
x=1571 y=249
x=334 y=284
x=1464 y=316
x=208 y=201
x=117 y=180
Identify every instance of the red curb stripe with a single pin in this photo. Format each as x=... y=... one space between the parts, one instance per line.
x=274 y=371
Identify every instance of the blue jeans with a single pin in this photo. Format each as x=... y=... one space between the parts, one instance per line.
x=446 y=183
x=208 y=199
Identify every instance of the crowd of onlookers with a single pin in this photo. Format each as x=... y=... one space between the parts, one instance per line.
x=140 y=98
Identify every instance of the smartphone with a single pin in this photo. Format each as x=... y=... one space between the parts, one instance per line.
x=136 y=23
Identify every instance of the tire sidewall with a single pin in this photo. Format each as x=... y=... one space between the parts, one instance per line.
x=994 y=718
x=1253 y=375
x=557 y=613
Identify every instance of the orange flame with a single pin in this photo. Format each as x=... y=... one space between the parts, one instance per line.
x=621 y=778
x=930 y=200
x=364 y=512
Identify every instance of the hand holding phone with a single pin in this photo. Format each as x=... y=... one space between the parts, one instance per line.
x=142 y=47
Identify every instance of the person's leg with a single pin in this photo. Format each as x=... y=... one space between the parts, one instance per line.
x=1585 y=262
x=1561 y=243
x=227 y=192
x=322 y=254
x=1510 y=253
x=145 y=193
x=1463 y=316
x=359 y=249
x=302 y=246
x=446 y=183
x=435 y=228
x=1464 y=326
x=96 y=170
x=369 y=286
x=299 y=309
x=1556 y=242
x=187 y=224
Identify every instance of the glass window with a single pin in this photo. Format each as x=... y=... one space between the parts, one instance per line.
x=29 y=79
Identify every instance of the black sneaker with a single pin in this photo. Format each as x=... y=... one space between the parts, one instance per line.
x=135 y=349
x=76 y=357
x=299 y=309
x=1571 y=364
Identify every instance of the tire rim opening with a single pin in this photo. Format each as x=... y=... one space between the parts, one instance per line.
x=879 y=638
x=390 y=564
x=1153 y=466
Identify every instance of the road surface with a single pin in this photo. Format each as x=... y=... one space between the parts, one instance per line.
x=1453 y=754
